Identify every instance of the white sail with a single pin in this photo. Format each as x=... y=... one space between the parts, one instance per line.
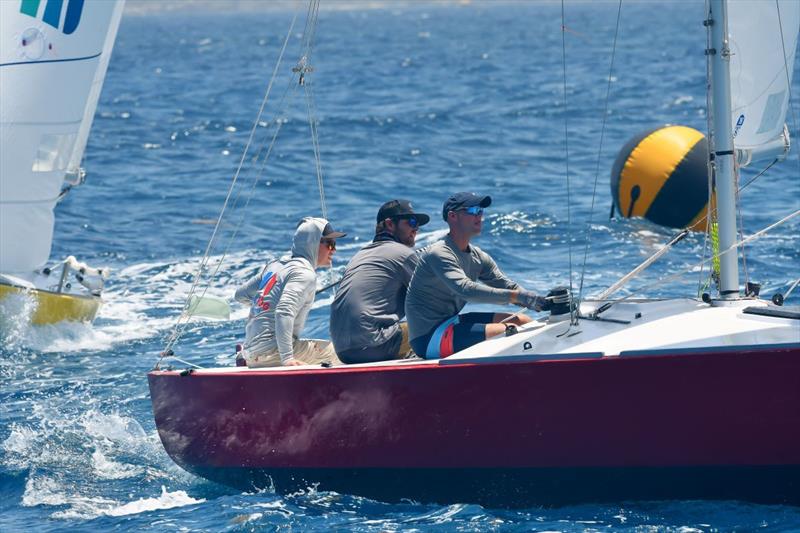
x=760 y=80
x=94 y=94
x=53 y=55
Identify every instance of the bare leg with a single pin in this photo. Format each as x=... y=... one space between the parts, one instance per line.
x=492 y=330
x=508 y=318
x=501 y=320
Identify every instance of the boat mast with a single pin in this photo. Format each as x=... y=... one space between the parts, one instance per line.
x=723 y=152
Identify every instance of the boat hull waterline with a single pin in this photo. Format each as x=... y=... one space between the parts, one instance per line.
x=721 y=423
x=54 y=307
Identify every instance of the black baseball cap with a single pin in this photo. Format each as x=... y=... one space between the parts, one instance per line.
x=401 y=209
x=329 y=233
x=462 y=200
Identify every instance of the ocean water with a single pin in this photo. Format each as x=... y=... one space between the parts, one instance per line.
x=413 y=100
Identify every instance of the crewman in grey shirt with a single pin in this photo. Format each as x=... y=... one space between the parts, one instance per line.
x=280 y=298
x=369 y=305
x=453 y=272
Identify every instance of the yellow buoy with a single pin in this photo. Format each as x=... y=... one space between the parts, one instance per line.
x=662 y=175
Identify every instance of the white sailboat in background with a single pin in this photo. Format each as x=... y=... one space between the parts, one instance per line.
x=53 y=60
x=602 y=400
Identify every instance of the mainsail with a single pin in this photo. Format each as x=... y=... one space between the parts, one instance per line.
x=53 y=58
x=763 y=39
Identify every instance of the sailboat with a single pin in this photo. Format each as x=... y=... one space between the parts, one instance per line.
x=602 y=400
x=53 y=60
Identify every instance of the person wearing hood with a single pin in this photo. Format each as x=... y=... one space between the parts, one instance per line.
x=280 y=298
x=369 y=305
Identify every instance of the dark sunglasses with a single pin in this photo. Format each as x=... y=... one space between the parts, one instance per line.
x=474 y=210
x=329 y=243
x=413 y=223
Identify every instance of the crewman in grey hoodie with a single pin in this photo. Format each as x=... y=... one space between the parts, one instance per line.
x=453 y=272
x=281 y=296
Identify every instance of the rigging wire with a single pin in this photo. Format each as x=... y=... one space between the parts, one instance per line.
x=599 y=151
x=735 y=245
x=711 y=211
x=282 y=107
x=184 y=317
x=312 y=121
x=248 y=197
x=573 y=310
x=740 y=229
x=304 y=67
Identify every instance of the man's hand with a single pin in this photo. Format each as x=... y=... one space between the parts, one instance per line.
x=293 y=362
x=531 y=300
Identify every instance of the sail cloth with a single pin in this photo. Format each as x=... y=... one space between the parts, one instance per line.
x=759 y=80
x=53 y=57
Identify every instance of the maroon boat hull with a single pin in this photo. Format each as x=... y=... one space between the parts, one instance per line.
x=719 y=424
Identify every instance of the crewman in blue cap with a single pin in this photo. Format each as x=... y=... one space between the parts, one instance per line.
x=453 y=272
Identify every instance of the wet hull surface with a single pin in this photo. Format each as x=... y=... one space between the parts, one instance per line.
x=690 y=425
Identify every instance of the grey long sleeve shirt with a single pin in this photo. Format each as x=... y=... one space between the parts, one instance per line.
x=371 y=298
x=446 y=279
x=281 y=297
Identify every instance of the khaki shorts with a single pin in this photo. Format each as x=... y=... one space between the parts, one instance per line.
x=308 y=351
x=405 y=346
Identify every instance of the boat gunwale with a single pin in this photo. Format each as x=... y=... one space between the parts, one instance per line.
x=90 y=297
x=574 y=358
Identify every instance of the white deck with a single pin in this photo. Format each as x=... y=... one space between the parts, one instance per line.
x=653 y=325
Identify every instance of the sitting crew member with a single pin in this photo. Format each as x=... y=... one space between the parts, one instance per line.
x=370 y=301
x=281 y=297
x=452 y=272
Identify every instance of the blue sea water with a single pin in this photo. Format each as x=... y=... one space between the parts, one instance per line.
x=414 y=101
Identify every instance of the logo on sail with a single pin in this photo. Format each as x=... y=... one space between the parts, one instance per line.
x=739 y=124
x=52 y=12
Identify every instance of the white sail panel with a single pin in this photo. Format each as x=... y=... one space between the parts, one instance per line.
x=50 y=55
x=759 y=79
x=94 y=94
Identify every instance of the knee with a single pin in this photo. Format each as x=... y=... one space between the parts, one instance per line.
x=523 y=319
x=492 y=330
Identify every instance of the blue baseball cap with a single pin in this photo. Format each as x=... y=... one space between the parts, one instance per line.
x=462 y=200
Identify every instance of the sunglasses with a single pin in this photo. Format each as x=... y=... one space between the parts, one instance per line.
x=413 y=223
x=474 y=210
x=329 y=243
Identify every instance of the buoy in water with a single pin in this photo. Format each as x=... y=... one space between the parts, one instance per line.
x=661 y=175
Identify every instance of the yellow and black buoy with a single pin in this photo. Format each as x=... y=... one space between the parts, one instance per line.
x=661 y=175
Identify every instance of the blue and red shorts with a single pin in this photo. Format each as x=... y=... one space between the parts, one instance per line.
x=452 y=335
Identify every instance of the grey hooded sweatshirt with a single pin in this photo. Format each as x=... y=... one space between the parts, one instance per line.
x=281 y=296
